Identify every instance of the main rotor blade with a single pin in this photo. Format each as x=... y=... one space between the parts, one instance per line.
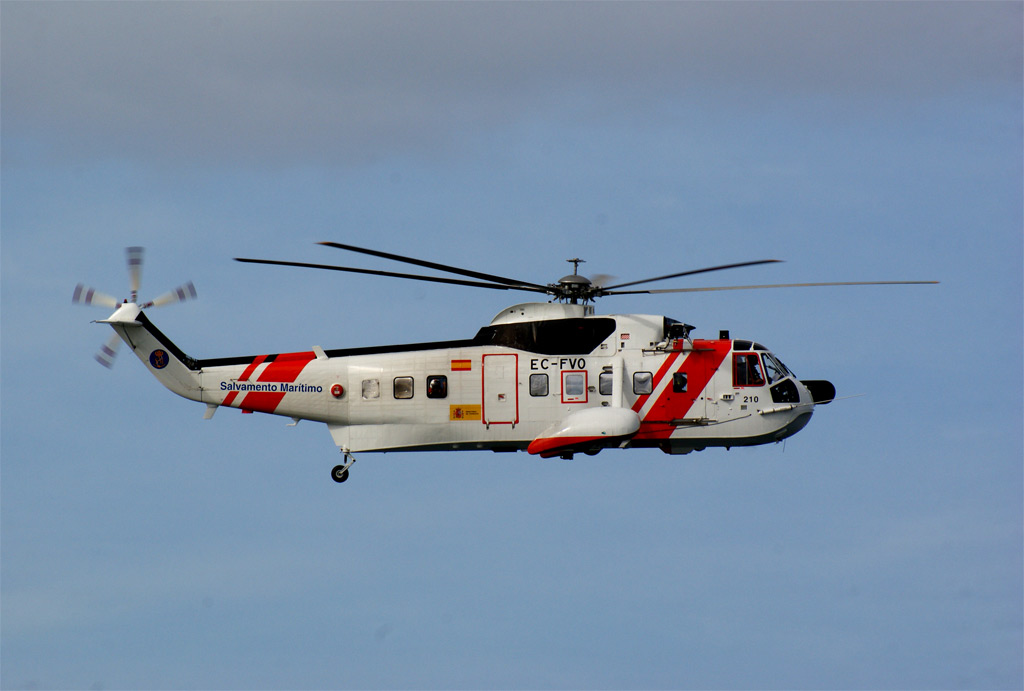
x=776 y=285
x=415 y=277
x=437 y=267
x=690 y=273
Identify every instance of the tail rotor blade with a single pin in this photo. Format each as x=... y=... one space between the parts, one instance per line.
x=108 y=351
x=84 y=295
x=134 y=257
x=179 y=294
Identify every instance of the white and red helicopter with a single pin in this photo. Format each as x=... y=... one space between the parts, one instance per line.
x=552 y=378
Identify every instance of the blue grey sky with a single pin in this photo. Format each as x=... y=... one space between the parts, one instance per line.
x=143 y=547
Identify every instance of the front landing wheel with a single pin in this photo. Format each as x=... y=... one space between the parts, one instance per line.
x=339 y=473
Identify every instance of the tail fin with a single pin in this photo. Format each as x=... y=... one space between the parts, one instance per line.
x=166 y=361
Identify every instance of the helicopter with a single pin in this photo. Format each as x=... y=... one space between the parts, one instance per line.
x=550 y=378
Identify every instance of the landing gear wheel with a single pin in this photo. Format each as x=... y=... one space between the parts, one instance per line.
x=340 y=472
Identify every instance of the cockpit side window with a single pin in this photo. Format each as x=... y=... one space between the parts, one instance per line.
x=747 y=370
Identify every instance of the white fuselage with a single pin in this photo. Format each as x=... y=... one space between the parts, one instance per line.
x=522 y=383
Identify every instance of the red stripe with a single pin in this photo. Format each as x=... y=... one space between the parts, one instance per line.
x=549 y=446
x=657 y=378
x=256 y=362
x=699 y=367
x=286 y=367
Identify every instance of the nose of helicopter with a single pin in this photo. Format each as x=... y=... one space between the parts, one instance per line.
x=821 y=391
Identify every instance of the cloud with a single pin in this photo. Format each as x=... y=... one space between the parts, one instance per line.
x=334 y=83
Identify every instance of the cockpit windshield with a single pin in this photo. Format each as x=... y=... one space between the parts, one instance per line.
x=748 y=370
x=774 y=367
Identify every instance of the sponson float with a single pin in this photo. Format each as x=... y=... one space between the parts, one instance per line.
x=553 y=379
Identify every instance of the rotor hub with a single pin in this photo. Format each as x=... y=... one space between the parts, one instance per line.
x=574 y=280
x=573 y=287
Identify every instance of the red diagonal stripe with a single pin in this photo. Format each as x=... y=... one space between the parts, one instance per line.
x=284 y=368
x=657 y=378
x=699 y=367
x=256 y=362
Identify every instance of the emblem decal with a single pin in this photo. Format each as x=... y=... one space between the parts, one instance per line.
x=465 y=412
x=158 y=358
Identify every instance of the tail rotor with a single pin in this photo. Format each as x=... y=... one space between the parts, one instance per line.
x=134 y=257
x=182 y=293
x=108 y=351
x=85 y=295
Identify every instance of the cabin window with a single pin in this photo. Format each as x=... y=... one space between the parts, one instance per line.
x=643 y=383
x=437 y=386
x=575 y=384
x=679 y=382
x=550 y=337
x=605 y=383
x=538 y=385
x=403 y=387
x=371 y=389
x=747 y=370
x=574 y=387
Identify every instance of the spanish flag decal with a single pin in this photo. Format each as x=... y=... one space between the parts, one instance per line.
x=462 y=365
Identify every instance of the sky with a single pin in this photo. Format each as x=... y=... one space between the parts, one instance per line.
x=880 y=548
